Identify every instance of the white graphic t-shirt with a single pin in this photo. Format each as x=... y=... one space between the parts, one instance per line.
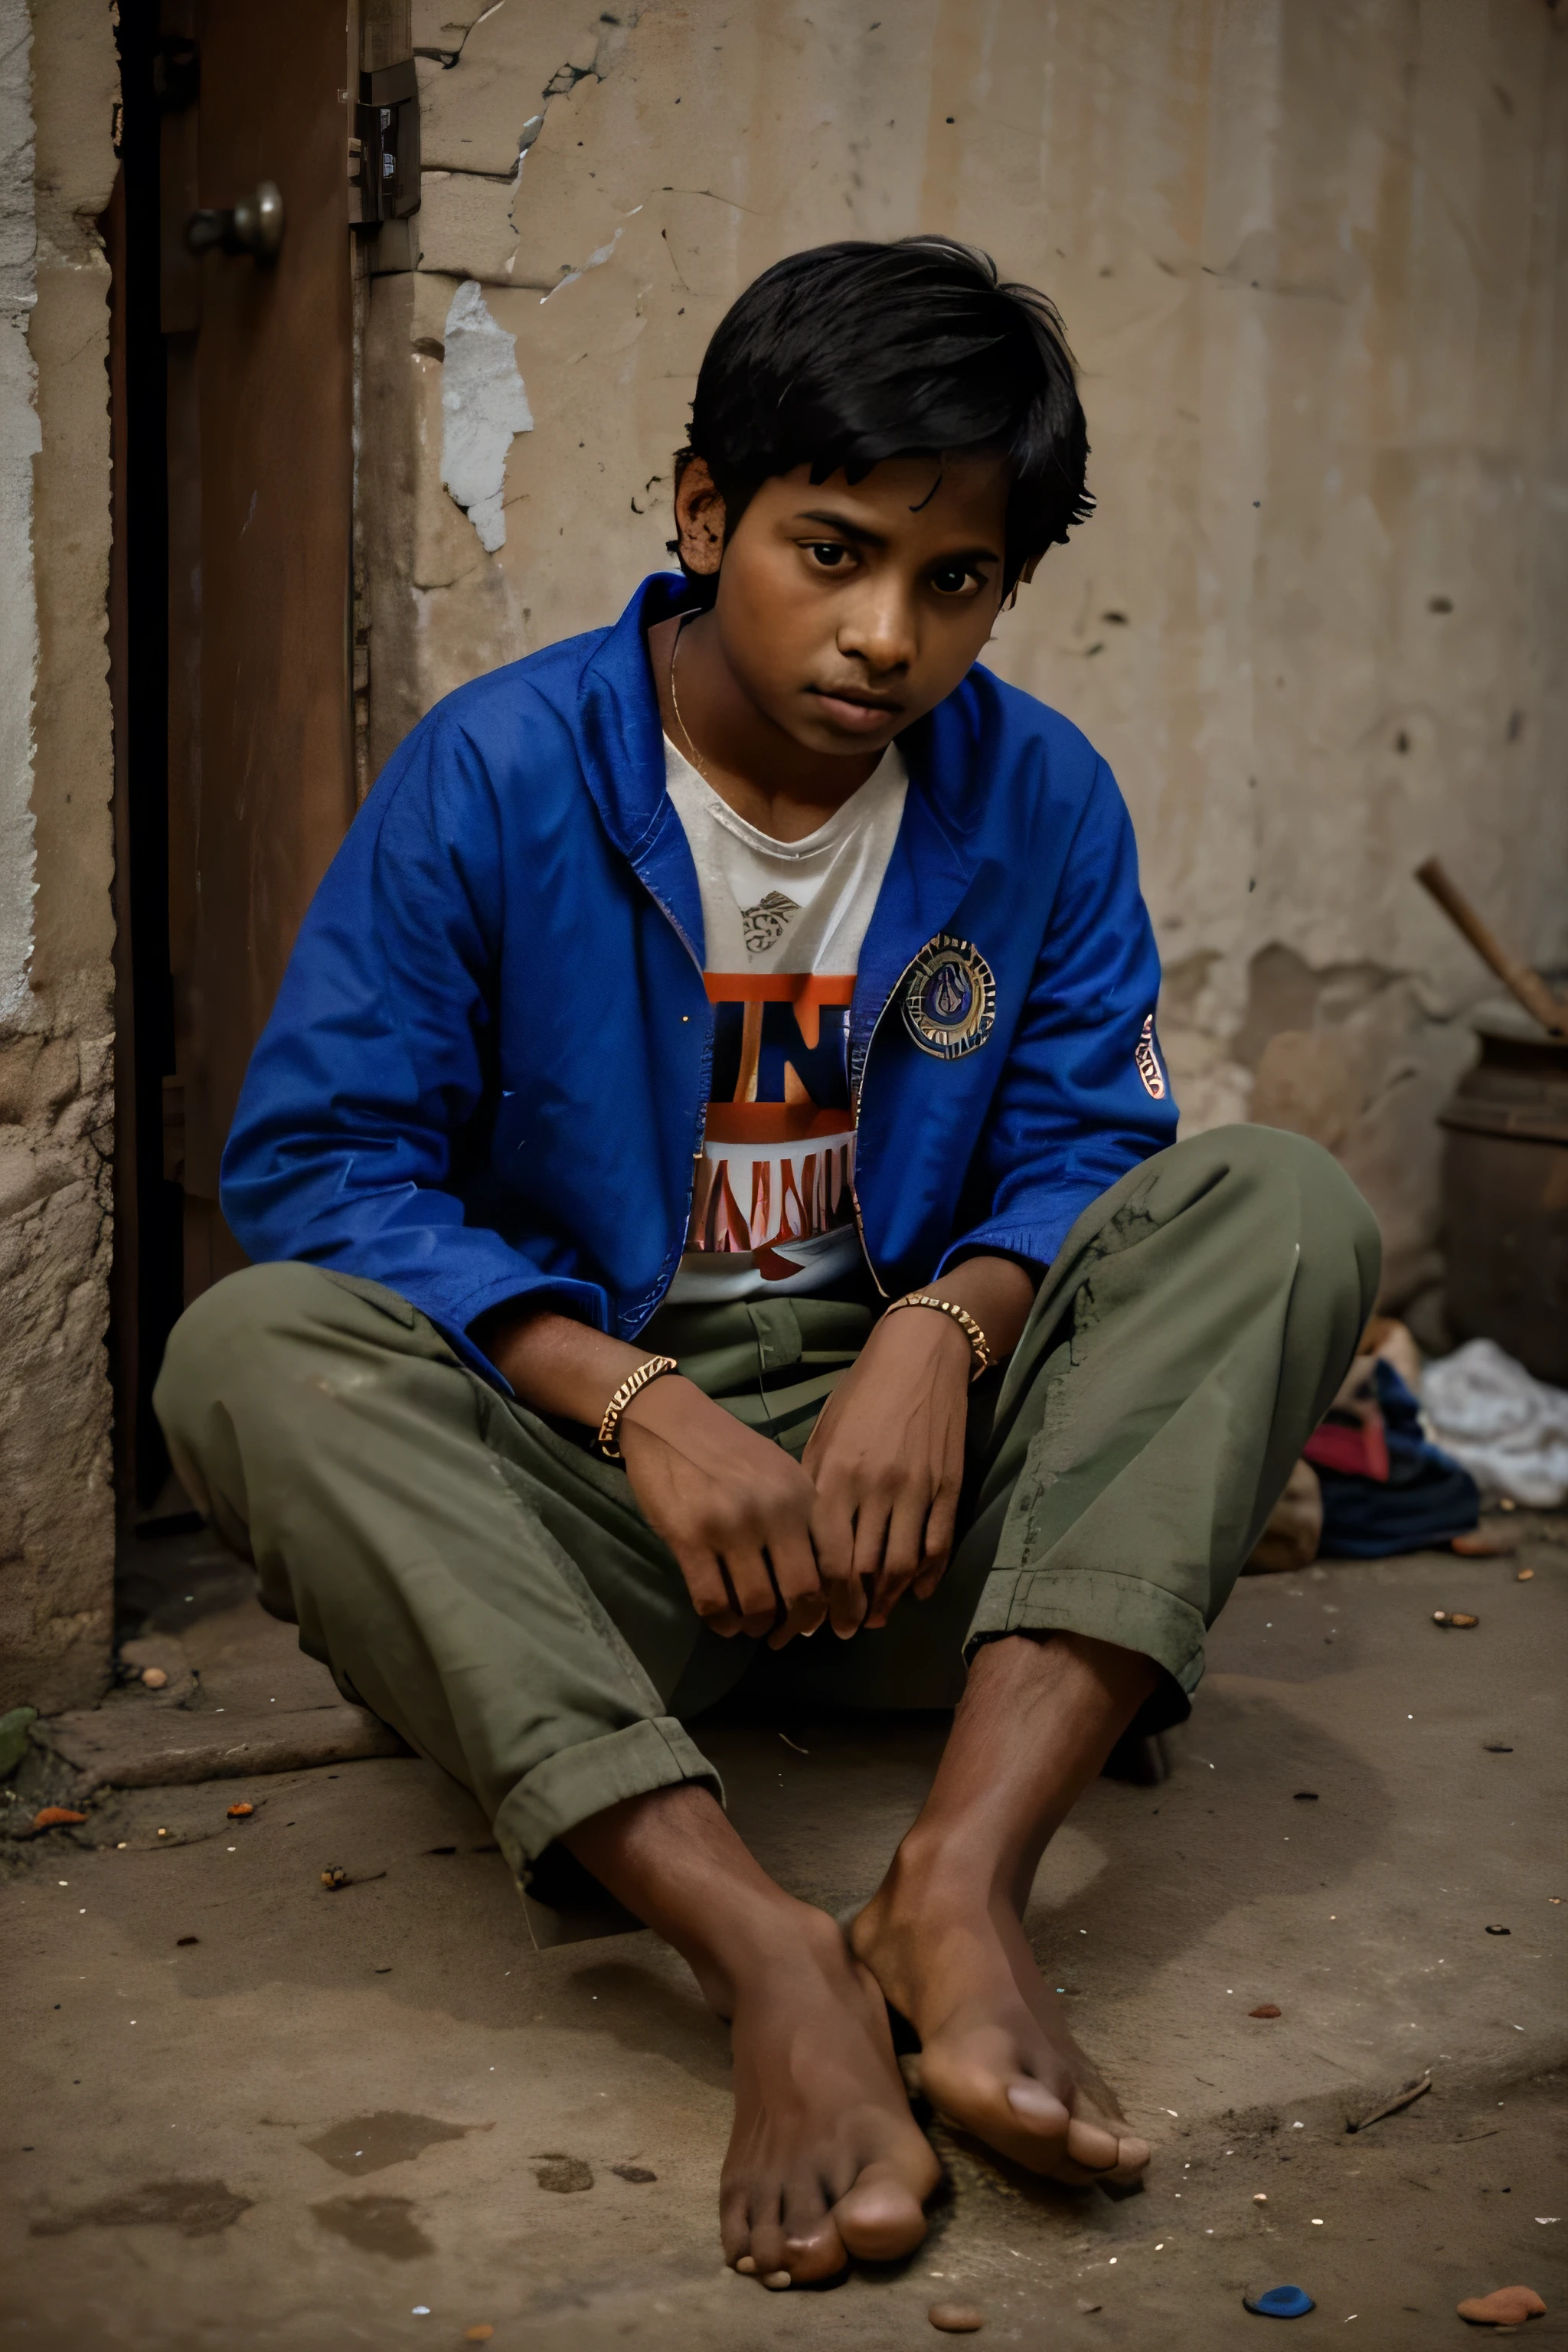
x=773 y=1211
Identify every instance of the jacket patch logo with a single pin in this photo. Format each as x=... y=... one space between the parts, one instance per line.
x=1147 y=1061
x=950 y=998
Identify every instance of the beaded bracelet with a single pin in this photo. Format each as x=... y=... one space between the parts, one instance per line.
x=633 y=1385
x=979 y=1351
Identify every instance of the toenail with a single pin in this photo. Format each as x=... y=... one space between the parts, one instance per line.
x=776 y=2279
x=746 y=2264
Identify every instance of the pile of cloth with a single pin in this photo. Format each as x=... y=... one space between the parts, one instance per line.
x=1405 y=1454
x=1509 y=1430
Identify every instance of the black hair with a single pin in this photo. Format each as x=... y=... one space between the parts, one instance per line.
x=850 y=353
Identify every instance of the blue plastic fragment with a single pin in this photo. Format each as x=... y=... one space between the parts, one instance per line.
x=1280 y=2302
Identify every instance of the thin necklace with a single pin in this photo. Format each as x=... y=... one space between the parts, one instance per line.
x=675 y=706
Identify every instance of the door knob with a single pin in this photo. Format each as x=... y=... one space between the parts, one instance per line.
x=253 y=225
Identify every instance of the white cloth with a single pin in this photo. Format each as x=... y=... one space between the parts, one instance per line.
x=1508 y=1429
x=782 y=923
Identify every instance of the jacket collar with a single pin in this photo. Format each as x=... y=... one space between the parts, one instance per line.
x=938 y=842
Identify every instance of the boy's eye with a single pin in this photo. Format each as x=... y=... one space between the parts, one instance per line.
x=828 y=553
x=953 y=579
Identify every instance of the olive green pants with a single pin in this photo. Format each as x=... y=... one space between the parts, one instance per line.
x=485 y=1582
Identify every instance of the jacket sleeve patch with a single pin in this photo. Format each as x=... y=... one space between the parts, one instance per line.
x=1147 y=1061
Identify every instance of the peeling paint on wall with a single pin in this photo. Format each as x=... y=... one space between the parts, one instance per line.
x=19 y=444
x=483 y=405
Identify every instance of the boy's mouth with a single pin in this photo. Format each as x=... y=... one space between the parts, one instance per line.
x=858 y=712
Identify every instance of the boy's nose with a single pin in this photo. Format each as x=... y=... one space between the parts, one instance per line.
x=879 y=630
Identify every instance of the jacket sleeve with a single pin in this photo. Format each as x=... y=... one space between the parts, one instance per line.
x=1085 y=1094
x=356 y=1101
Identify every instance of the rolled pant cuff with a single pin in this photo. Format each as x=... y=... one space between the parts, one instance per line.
x=1126 y=1610
x=579 y=1782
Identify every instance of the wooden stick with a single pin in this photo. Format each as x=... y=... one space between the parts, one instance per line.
x=1406 y=2098
x=1525 y=983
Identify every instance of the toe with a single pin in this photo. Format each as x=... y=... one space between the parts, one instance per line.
x=1089 y=2144
x=767 y=2241
x=880 y=2217
x=735 y=2228
x=813 y=2250
x=1131 y=2160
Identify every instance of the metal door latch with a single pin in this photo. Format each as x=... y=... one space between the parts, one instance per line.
x=383 y=156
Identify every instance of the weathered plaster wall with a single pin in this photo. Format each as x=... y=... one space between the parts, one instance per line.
x=55 y=933
x=1312 y=256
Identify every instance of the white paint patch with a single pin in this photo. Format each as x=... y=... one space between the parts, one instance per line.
x=595 y=260
x=483 y=405
x=19 y=444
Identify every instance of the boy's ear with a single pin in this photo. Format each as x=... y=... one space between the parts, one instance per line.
x=698 y=517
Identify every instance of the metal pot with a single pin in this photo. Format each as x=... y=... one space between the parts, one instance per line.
x=1505 y=1194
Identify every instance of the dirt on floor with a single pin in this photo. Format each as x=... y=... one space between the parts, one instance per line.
x=248 y=2110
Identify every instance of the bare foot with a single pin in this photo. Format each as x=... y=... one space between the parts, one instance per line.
x=996 y=2057
x=825 y=2160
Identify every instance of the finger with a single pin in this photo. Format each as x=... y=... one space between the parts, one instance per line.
x=711 y=1596
x=941 y=1527
x=901 y=1556
x=803 y=1618
x=746 y=1567
x=833 y=1545
x=871 y=1517
x=799 y=1586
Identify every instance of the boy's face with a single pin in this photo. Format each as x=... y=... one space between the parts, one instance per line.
x=846 y=612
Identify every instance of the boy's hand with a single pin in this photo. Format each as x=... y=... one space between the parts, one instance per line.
x=886 y=1459
x=887 y=1454
x=734 y=1508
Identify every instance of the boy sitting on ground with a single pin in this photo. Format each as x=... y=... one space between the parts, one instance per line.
x=712 y=1183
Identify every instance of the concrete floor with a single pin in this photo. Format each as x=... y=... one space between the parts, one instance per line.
x=382 y=2115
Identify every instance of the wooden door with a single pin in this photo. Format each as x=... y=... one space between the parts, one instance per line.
x=260 y=455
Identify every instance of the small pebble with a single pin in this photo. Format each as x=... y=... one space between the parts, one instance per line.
x=54 y=1817
x=154 y=1677
x=956 y=2319
x=187 y=1939
x=334 y=1878
x=1524 y=1575
x=1084 y=2305
x=240 y=1812
x=637 y=2172
x=1499 y=1931
x=1507 y=2308
x=1306 y=1796
x=480 y=2332
x=1259 y=2199
x=1265 y=2009
x=1280 y=2302
x=1462 y=1617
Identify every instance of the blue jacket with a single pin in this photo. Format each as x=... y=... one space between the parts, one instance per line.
x=486 y=1074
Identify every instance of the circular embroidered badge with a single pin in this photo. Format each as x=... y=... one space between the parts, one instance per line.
x=950 y=998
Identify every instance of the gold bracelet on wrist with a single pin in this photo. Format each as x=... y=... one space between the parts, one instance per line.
x=981 y=1358
x=633 y=1385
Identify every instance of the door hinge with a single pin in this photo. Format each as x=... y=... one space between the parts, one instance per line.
x=383 y=153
